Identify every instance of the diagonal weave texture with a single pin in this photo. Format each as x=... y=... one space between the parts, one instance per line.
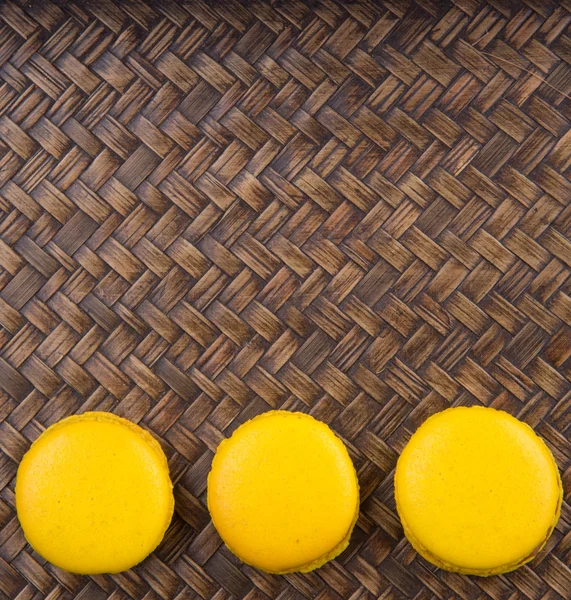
x=211 y=210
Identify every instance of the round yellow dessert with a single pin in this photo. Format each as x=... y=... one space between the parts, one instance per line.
x=477 y=491
x=283 y=493
x=93 y=494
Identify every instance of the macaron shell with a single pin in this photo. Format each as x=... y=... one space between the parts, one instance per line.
x=93 y=494
x=477 y=491
x=283 y=493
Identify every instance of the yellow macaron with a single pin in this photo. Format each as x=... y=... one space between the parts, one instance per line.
x=93 y=494
x=283 y=493
x=477 y=491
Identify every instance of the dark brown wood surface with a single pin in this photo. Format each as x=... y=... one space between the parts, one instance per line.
x=209 y=210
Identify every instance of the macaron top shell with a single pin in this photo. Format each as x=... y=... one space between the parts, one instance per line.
x=477 y=490
x=283 y=492
x=93 y=494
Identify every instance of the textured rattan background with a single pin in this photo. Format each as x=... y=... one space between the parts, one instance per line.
x=211 y=210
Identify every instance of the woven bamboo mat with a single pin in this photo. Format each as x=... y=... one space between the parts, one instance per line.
x=211 y=210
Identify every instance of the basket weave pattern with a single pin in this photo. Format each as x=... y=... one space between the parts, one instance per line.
x=209 y=210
